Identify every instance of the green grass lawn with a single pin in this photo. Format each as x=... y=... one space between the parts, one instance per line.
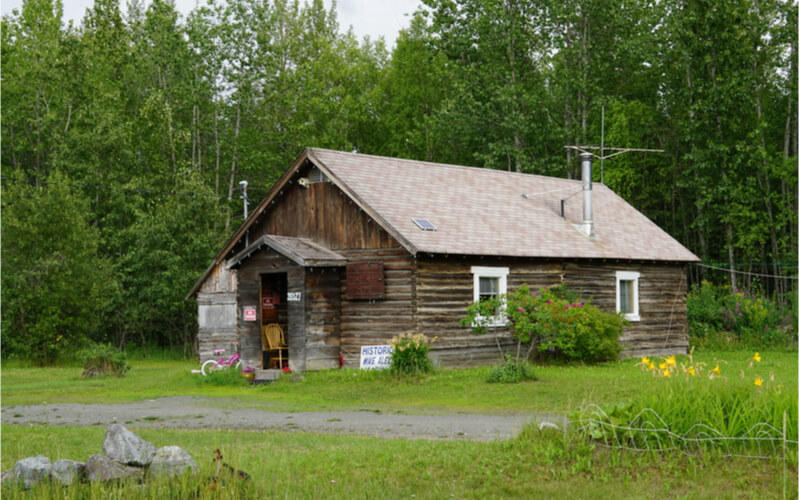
x=307 y=465
x=559 y=389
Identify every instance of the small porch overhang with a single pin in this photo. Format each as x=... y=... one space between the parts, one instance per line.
x=302 y=251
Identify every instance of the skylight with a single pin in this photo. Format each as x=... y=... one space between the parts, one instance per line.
x=424 y=224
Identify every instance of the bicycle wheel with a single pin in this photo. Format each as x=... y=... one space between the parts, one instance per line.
x=209 y=366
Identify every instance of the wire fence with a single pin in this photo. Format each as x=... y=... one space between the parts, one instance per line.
x=648 y=432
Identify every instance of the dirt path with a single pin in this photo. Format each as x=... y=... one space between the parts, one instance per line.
x=193 y=412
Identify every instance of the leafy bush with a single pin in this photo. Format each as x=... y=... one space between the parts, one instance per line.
x=724 y=317
x=556 y=323
x=511 y=372
x=410 y=354
x=102 y=359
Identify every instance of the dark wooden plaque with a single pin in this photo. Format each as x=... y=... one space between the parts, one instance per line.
x=365 y=280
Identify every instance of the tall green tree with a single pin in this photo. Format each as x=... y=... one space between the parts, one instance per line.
x=37 y=71
x=56 y=287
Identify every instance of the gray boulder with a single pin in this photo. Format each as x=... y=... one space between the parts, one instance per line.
x=8 y=476
x=68 y=471
x=102 y=468
x=32 y=470
x=125 y=446
x=171 y=460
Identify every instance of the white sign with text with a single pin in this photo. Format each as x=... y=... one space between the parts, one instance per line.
x=375 y=357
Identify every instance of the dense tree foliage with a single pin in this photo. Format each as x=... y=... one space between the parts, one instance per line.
x=125 y=137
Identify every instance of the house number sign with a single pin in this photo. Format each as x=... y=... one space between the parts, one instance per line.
x=293 y=296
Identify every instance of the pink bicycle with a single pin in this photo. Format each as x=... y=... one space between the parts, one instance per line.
x=222 y=364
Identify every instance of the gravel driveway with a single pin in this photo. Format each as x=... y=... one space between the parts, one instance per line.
x=194 y=412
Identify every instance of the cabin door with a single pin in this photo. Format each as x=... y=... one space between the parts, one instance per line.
x=273 y=311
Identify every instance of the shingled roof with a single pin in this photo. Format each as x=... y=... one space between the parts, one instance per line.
x=478 y=211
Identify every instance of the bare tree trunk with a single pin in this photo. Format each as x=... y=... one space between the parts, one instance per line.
x=216 y=150
x=731 y=260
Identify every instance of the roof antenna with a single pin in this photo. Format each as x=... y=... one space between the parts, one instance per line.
x=587 y=224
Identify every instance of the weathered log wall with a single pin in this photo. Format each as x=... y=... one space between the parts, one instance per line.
x=375 y=322
x=662 y=328
x=322 y=318
x=445 y=290
x=216 y=313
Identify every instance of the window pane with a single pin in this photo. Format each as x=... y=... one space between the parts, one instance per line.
x=626 y=296
x=488 y=287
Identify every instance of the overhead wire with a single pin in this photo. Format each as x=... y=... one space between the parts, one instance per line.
x=729 y=270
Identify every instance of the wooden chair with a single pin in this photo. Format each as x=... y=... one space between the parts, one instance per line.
x=274 y=343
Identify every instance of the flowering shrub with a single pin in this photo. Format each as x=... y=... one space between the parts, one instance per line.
x=410 y=354
x=555 y=323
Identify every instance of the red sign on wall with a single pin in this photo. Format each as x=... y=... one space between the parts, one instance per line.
x=365 y=280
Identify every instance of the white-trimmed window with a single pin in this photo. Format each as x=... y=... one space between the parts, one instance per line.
x=628 y=294
x=490 y=283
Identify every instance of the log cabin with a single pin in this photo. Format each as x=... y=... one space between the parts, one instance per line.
x=348 y=250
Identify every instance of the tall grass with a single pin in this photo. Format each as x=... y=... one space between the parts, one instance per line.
x=692 y=402
x=303 y=465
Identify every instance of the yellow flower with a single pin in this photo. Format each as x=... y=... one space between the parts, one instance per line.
x=667 y=373
x=670 y=361
x=662 y=366
x=716 y=370
x=757 y=358
x=691 y=371
x=759 y=382
x=651 y=366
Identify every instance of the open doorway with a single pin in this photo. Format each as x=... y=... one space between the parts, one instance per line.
x=274 y=320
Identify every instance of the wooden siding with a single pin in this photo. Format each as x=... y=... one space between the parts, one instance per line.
x=250 y=272
x=322 y=318
x=662 y=303
x=216 y=313
x=375 y=322
x=445 y=290
x=324 y=214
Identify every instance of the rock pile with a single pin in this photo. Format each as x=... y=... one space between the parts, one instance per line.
x=126 y=456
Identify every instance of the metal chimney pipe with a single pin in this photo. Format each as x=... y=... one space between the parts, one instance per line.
x=587 y=225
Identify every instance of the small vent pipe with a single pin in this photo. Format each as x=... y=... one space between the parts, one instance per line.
x=587 y=224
